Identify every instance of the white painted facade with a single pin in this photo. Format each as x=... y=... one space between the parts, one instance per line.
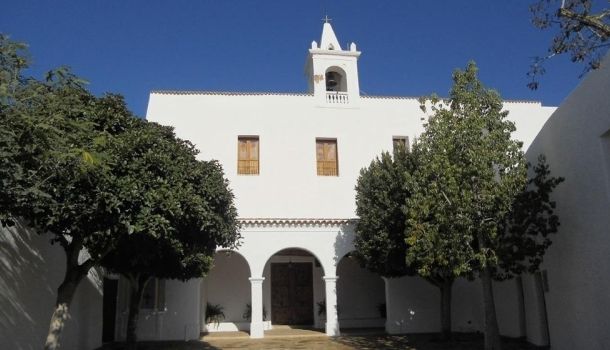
x=576 y=142
x=287 y=205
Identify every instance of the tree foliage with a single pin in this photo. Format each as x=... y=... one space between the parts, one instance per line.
x=470 y=174
x=178 y=210
x=582 y=32
x=381 y=194
x=87 y=172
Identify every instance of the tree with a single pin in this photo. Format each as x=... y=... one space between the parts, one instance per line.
x=54 y=176
x=583 y=33
x=62 y=173
x=179 y=210
x=469 y=176
x=382 y=193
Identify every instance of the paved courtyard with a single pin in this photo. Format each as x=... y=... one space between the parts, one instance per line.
x=320 y=341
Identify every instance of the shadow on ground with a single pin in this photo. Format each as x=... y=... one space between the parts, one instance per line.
x=163 y=345
x=469 y=341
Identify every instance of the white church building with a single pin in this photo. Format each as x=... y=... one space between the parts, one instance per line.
x=292 y=160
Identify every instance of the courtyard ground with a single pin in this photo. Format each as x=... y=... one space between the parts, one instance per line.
x=407 y=342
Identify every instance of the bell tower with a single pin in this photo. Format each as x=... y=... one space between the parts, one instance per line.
x=332 y=73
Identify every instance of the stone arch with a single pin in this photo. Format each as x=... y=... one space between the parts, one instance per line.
x=336 y=79
x=227 y=285
x=322 y=263
x=294 y=289
x=237 y=253
x=361 y=295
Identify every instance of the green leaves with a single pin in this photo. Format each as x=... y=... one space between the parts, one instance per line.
x=86 y=170
x=469 y=172
x=381 y=193
x=178 y=209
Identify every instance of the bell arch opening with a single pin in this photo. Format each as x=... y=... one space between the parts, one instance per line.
x=336 y=79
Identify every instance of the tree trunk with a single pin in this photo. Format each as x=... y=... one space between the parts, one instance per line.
x=136 y=289
x=65 y=294
x=445 y=287
x=492 y=333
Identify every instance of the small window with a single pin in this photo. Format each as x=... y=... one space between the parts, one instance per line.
x=153 y=297
x=326 y=155
x=247 y=155
x=400 y=143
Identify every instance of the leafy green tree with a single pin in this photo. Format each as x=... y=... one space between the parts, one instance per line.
x=382 y=193
x=470 y=174
x=54 y=174
x=63 y=174
x=179 y=209
x=582 y=32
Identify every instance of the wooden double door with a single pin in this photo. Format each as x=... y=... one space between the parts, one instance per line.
x=292 y=293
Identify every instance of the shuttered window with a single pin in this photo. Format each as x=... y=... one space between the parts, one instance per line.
x=247 y=155
x=400 y=142
x=326 y=155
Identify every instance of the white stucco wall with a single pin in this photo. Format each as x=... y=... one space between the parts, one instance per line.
x=31 y=269
x=179 y=320
x=578 y=263
x=287 y=126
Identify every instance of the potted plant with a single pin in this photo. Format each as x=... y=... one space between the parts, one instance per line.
x=214 y=314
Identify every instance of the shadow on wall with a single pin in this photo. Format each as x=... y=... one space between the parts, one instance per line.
x=344 y=242
x=30 y=272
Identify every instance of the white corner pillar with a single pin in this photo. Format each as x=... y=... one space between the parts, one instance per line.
x=332 y=321
x=256 y=324
x=389 y=315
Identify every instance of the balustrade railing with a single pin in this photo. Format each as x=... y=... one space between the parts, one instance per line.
x=337 y=97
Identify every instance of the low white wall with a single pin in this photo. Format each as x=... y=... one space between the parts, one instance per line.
x=180 y=320
x=31 y=269
x=508 y=308
x=414 y=306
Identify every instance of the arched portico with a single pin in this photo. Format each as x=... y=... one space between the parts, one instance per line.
x=226 y=288
x=294 y=290
x=318 y=243
x=361 y=295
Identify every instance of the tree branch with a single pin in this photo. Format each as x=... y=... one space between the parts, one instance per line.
x=589 y=21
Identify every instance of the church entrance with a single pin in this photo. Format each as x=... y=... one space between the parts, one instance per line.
x=292 y=293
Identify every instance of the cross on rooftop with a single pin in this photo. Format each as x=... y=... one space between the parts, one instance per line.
x=326 y=19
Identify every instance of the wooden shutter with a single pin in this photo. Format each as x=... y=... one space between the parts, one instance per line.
x=247 y=155
x=326 y=155
x=400 y=142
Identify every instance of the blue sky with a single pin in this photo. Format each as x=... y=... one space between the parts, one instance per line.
x=408 y=48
